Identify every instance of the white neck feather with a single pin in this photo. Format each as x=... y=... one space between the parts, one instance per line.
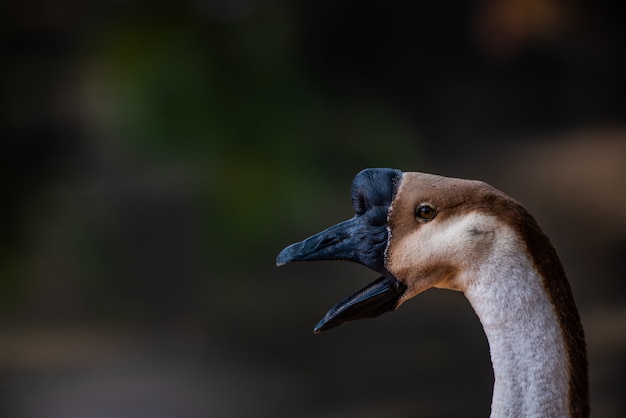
x=527 y=348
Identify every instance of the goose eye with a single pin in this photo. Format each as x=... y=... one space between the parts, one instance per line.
x=424 y=212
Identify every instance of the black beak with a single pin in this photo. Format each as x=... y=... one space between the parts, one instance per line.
x=362 y=239
x=375 y=299
x=351 y=240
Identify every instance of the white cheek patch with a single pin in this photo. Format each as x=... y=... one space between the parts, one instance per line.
x=455 y=244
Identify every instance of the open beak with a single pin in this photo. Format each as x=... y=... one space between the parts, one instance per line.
x=360 y=241
x=375 y=299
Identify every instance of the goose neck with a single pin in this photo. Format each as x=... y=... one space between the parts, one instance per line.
x=528 y=353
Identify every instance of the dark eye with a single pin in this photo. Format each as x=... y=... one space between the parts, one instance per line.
x=425 y=212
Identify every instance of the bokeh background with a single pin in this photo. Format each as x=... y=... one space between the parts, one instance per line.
x=157 y=155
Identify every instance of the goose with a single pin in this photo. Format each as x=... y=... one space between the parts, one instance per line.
x=422 y=231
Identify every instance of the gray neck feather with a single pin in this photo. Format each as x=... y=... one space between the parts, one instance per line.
x=528 y=352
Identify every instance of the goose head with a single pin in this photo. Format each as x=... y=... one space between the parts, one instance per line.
x=421 y=231
x=417 y=230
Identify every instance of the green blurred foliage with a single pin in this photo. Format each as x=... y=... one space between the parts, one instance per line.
x=263 y=147
x=231 y=101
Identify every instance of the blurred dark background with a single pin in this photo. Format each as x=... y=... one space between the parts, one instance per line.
x=156 y=156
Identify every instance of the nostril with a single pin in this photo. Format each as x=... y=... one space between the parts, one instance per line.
x=327 y=241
